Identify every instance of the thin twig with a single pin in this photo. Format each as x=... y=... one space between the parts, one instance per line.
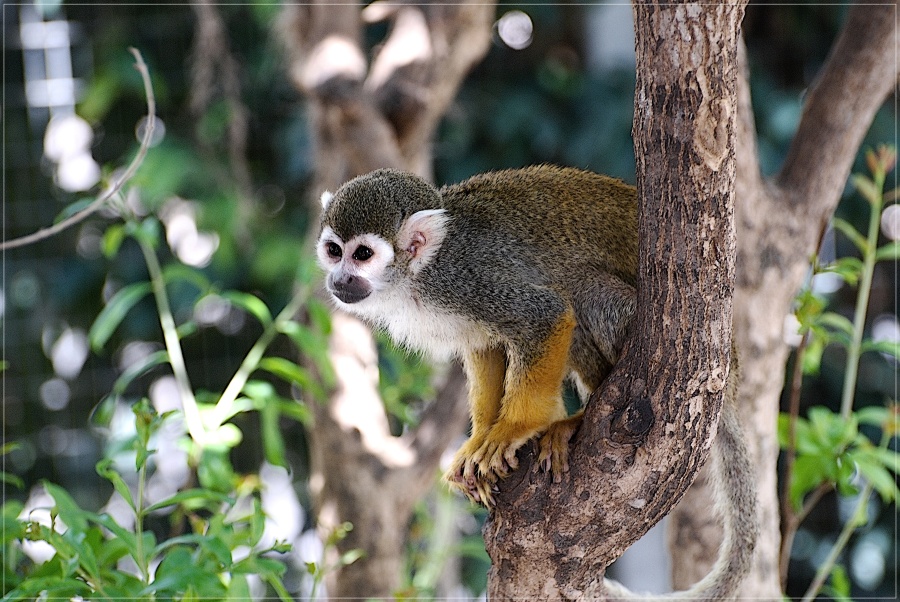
x=788 y=515
x=97 y=204
x=843 y=539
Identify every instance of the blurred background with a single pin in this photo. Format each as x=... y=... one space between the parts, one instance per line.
x=556 y=87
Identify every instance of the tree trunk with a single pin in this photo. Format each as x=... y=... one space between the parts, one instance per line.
x=367 y=115
x=779 y=223
x=648 y=430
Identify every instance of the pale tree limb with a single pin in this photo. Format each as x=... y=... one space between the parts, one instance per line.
x=368 y=115
x=214 y=71
x=779 y=222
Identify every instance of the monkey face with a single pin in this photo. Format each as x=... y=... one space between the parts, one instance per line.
x=357 y=267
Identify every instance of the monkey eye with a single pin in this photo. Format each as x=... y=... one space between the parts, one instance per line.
x=333 y=249
x=362 y=253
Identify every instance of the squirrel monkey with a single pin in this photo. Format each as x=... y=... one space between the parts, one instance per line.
x=526 y=275
x=529 y=276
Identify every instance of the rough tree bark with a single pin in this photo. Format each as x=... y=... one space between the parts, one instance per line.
x=367 y=115
x=648 y=430
x=779 y=224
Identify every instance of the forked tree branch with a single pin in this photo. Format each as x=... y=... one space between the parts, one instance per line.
x=860 y=71
x=779 y=222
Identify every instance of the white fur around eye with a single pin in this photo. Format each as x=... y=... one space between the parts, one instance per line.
x=373 y=268
x=326 y=261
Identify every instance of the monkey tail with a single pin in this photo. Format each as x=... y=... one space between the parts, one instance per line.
x=735 y=495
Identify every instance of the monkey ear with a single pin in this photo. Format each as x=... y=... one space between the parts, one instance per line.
x=421 y=236
x=326 y=199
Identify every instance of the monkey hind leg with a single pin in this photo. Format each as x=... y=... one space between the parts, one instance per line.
x=603 y=309
x=486 y=371
x=532 y=401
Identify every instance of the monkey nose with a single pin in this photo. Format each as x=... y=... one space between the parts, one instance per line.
x=350 y=289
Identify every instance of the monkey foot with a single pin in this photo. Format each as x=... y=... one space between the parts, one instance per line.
x=554 y=446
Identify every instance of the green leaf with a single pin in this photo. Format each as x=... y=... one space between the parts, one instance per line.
x=292 y=373
x=112 y=551
x=866 y=187
x=314 y=346
x=260 y=566
x=847 y=229
x=192 y=495
x=105 y=470
x=296 y=410
x=146 y=231
x=890 y=251
x=880 y=478
x=179 y=571
x=112 y=240
x=102 y=414
x=832 y=431
x=139 y=368
x=873 y=415
x=839 y=323
x=239 y=589
x=891 y=348
x=886 y=457
x=178 y=272
x=67 y=509
x=273 y=443
x=73 y=208
x=54 y=587
x=809 y=473
x=251 y=304
x=319 y=315
x=187 y=329
x=812 y=359
x=848 y=268
x=839 y=584
x=350 y=556
x=227 y=436
x=215 y=471
x=11 y=479
x=114 y=312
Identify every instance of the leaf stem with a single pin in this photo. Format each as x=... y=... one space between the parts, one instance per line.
x=862 y=299
x=223 y=407
x=789 y=517
x=139 y=526
x=173 y=345
x=839 y=545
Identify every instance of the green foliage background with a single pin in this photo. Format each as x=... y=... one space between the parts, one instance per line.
x=541 y=104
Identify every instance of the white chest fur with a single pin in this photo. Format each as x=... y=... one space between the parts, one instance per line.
x=437 y=333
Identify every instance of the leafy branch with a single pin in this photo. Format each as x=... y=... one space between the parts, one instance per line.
x=827 y=450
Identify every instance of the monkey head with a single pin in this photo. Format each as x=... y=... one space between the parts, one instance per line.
x=378 y=231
